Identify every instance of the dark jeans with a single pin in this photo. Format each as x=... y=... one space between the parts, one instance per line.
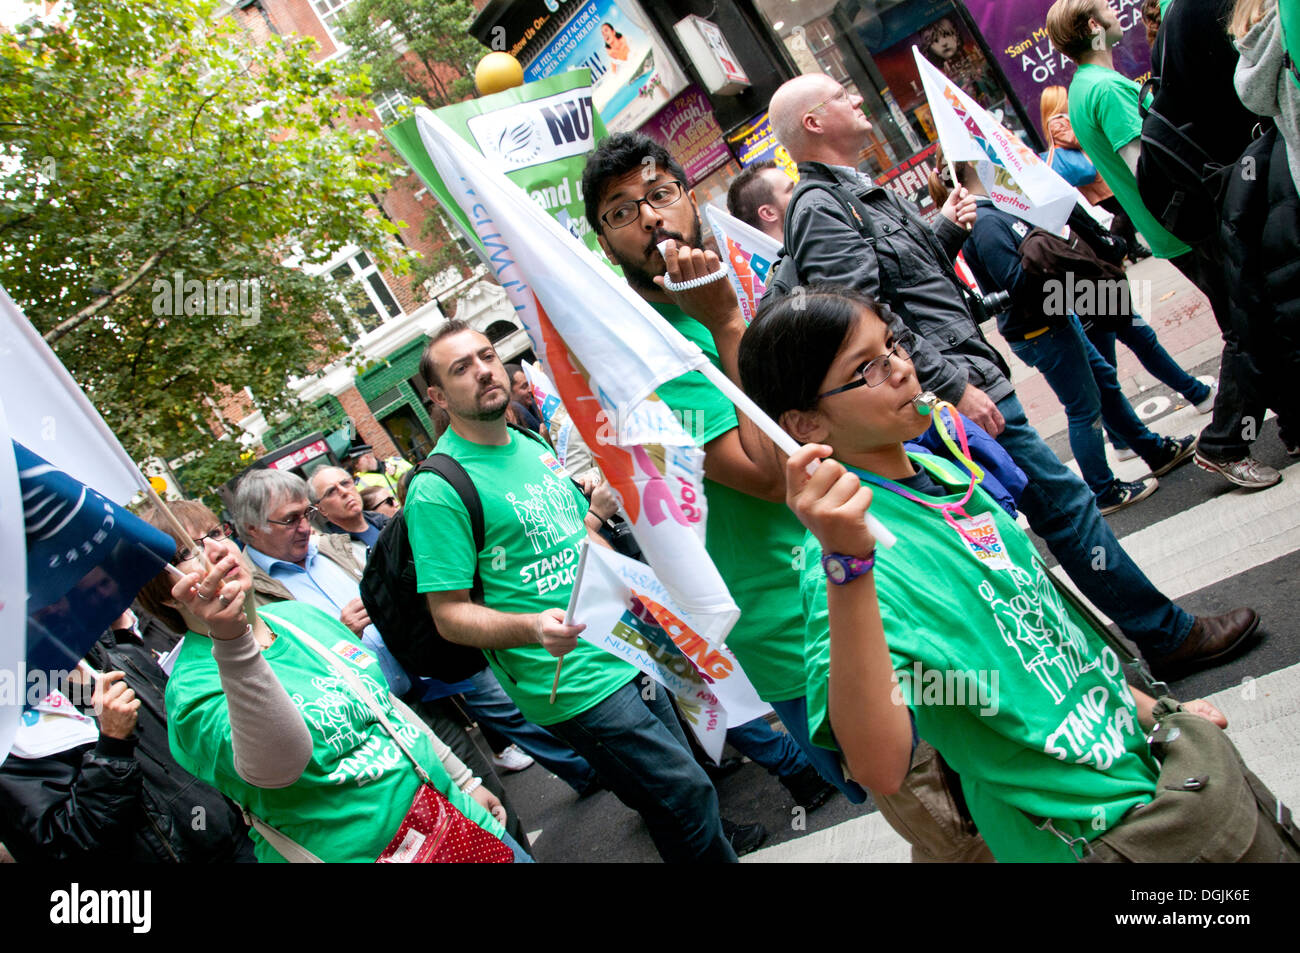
x=1088 y=388
x=638 y=749
x=1061 y=509
x=794 y=715
x=774 y=750
x=1140 y=338
x=1238 y=408
x=502 y=723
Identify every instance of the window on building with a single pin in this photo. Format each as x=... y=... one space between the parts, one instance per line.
x=463 y=243
x=498 y=330
x=366 y=293
x=328 y=11
x=388 y=104
x=866 y=46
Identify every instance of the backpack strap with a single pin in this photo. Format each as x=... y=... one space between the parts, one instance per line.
x=450 y=470
x=857 y=210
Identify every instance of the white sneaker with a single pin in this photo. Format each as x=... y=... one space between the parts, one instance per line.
x=1128 y=453
x=1207 y=405
x=512 y=759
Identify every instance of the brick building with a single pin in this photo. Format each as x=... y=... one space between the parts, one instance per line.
x=380 y=389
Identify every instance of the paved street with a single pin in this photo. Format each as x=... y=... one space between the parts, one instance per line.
x=1207 y=545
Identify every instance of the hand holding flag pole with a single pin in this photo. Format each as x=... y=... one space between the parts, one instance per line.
x=568 y=613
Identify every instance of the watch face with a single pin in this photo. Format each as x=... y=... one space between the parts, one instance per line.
x=835 y=570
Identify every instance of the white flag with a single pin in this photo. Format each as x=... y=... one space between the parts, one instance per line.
x=1017 y=180
x=13 y=591
x=606 y=351
x=630 y=613
x=750 y=253
x=533 y=254
x=49 y=414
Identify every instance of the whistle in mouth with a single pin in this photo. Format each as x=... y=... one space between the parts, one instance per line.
x=925 y=402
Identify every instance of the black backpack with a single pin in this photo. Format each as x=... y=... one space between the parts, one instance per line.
x=388 y=585
x=1179 y=182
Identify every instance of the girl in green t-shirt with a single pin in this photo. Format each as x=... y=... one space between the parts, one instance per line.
x=1047 y=742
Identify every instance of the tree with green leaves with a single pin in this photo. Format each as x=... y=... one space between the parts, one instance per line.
x=166 y=187
x=421 y=49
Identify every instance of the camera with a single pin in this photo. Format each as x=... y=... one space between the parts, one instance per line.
x=997 y=302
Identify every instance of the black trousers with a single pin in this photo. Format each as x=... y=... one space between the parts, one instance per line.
x=1239 y=407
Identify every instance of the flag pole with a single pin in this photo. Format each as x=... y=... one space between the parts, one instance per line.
x=568 y=613
x=784 y=442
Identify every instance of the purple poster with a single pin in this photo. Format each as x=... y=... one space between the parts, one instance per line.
x=1018 y=40
x=686 y=127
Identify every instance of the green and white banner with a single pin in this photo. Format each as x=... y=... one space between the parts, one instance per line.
x=538 y=134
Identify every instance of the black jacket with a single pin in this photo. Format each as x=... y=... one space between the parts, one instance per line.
x=1260 y=240
x=826 y=245
x=996 y=258
x=377 y=520
x=119 y=799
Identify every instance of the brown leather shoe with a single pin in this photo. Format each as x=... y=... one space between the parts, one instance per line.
x=1213 y=640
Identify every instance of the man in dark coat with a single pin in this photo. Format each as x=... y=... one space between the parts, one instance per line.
x=83 y=787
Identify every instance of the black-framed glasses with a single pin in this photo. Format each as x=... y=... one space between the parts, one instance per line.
x=308 y=514
x=874 y=372
x=661 y=196
x=388 y=501
x=217 y=534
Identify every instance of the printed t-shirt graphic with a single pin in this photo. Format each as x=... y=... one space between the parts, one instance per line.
x=1006 y=680
x=357 y=787
x=755 y=544
x=533 y=523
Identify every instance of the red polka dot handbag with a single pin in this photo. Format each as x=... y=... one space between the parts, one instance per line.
x=434 y=832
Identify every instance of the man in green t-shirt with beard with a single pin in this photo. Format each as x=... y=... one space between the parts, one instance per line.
x=636 y=198
x=534 y=520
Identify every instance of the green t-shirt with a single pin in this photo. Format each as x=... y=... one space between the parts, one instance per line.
x=1009 y=682
x=353 y=794
x=533 y=523
x=1105 y=117
x=756 y=545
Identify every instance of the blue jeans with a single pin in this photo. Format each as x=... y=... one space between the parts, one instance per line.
x=1088 y=388
x=1062 y=510
x=762 y=744
x=489 y=703
x=1140 y=338
x=521 y=856
x=641 y=754
x=794 y=715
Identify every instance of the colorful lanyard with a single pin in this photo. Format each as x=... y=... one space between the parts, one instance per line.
x=963 y=455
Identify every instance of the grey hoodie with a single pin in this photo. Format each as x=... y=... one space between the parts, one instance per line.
x=1266 y=87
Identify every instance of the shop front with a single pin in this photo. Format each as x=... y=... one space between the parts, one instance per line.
x=648 y=76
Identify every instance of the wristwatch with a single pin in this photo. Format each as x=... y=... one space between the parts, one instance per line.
x=840 y=569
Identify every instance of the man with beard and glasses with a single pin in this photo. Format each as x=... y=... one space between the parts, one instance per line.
x=636 y=197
